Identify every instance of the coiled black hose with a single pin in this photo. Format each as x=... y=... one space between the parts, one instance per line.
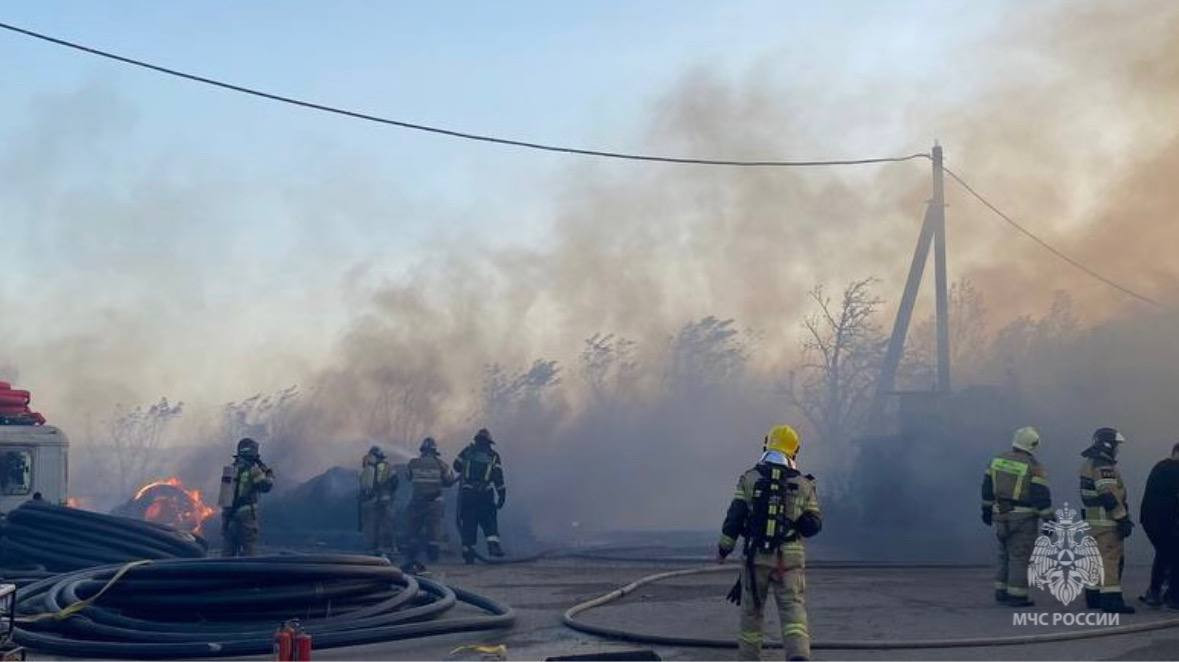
x=62 y=538
x=232 y=606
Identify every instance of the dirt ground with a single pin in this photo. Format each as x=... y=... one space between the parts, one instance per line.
x=879 y=604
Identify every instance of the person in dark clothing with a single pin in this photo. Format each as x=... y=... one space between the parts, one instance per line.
x=1160 y=520
x=481 y=494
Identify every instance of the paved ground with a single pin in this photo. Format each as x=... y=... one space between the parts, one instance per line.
x=880 y=604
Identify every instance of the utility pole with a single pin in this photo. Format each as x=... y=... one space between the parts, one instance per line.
x=933 y=231
x=938 y=207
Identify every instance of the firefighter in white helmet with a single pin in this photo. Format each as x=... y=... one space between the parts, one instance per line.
x=1015 y=498
x=774 y=508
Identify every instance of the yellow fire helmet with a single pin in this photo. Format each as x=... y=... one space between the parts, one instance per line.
x=783 y=439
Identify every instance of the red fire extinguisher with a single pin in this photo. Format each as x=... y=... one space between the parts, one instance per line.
x=302 y=642
x=291 y=643
x=284 y=642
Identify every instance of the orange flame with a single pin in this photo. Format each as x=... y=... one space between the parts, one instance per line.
x=75 y=502
x=166 y=507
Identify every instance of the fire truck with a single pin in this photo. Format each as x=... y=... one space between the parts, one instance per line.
x=34 y=460
x=34 y=457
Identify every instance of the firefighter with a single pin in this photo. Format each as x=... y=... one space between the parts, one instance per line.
x=378 y=483
x=481 y=494
x=1015 y=497
x=774 y=508
x=239 y=515
x=428 y=475
x=1107 y=512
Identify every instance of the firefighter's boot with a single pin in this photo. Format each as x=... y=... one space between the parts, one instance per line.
x=1151 y=599
x=494 y=549
x=1092 y=598
x=468 y=556
x=1112 y=603
x=1001 y=596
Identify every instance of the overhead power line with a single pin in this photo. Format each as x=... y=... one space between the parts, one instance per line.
x=449 y=132
x=1048 y=247
x=574 y=150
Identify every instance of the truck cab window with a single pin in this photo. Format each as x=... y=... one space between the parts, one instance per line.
x=16 y=472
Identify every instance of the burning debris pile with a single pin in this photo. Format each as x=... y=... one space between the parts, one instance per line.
x=14 y=407
x=61 y=538
x=168 y=502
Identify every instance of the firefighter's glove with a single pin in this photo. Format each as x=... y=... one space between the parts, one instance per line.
x=499 y=502
x=734 y=595
x=1125 y=527
x=986 y=515
x=808 y=525
x=722 y=553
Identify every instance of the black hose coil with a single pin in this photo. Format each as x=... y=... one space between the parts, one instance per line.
x=62 y=538
x=232 y=606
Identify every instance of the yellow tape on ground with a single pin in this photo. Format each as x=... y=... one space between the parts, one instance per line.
x=82 y=604
x=499 y=652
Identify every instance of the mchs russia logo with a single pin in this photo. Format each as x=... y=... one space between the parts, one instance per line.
x=1065 y=561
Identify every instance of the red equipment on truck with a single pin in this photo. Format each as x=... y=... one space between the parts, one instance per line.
x=14 y=407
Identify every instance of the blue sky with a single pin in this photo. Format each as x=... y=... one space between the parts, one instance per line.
x=580 y=73
x=136 y=195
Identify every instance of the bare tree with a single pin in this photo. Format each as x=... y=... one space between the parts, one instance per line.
x=841 y=355
x=505 y=395
x=607 y=364
x=262 y=417
x=1027 y=340
x=399 y=404
x=135 y=435
x=968 y=338
x=705 y=354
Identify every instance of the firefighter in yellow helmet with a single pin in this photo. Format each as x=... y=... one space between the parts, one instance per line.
x=774 y=508
x=1015 y=497
x=1107 y=512
x=378 y=483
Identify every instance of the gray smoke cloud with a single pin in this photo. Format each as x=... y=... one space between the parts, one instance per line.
x=696 y=278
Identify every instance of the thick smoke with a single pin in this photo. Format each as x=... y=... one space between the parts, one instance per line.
x=632 y=358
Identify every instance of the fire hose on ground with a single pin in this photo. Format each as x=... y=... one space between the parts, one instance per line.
x=227 y=607
x=62 y=538
x=570 y=619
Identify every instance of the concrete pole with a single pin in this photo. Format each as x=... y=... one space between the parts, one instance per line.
x=938 y=207
x=900 y=327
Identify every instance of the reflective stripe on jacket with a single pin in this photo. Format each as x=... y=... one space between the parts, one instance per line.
x=1102 y=492
x=1016 y=483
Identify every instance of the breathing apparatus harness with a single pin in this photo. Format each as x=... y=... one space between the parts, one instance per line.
x=768 y=526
